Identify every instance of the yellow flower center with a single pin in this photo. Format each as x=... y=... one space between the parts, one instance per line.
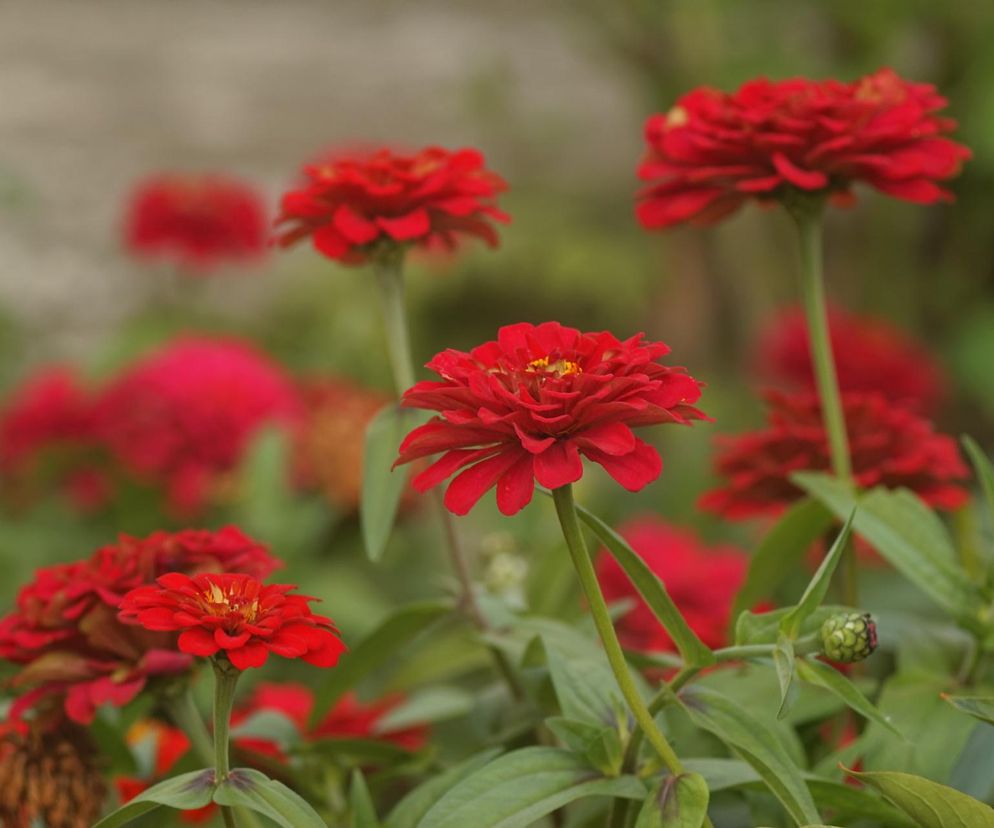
x=561 y=367
x=218 y=602
x=677 y=117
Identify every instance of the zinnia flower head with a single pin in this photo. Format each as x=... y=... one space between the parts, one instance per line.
x=184 y=416
x=196 y=222
x=353 y=205
x=530 y=405
x=235 y=614
x=701 y=580
x=714 y=151
x=870 y=356
x=888 y=444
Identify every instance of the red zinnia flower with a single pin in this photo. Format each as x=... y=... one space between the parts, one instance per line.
x=353 y=204
x=237 y=614
x=185 y=415
x=527 y=406
x=701 y=580
x=197 y=222
x=65 y=633
x=714 y=151
x=889 y=445
x=870 y=355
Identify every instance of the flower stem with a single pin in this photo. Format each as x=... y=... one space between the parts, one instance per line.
x=807 y=216
x=225 y=679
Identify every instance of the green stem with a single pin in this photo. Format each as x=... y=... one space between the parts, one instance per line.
x=807 y=216
x=225 y=679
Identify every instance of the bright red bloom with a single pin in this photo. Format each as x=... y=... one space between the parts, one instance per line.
x=870 y=356
x=352 y=204
x=714 y=151
x=196 y=222
x=237 y=614
x=528 y=405
x=65 y=633
x=889 y=446
x=701 y=580
x=184 y=416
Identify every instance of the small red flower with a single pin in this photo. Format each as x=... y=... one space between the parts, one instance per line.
x=197 y=222
x=527 y=406
x=236 y=614
x=870 y=356
x=701 y=580
x=714 y=151
x=184 y=416
x=352 y=204
x=889 y=446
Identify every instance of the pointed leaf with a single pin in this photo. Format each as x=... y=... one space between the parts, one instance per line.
x=600 y=746
x=764 y=627
x=185 y=792
x=824 y=675
x=248 y=788
x=928 y=803
x=781 y=549
x=377 y=648
x=980 y=707
x=676 y=802
x=985 y=471
x=783 y=661
x=520 y=787
x=363 y=811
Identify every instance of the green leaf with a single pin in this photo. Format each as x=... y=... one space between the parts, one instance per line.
x=980 y=707
x=382 y=485
x=817 y=589
x=185 y=792
x=694 y=652
x=751 y=739
x=783 y=661
x=928 y=803
x=248 y=788
x=676 y=802
x=764 y=627
x=363 y=811
x=585 y=687
x=600 y=746
x=823 y=675
x=377 y=751
x=783 y=547
x=431 y=704
x=909 y=535
x=411 y=809
x=376 y=649
x=520 y=787
x=985 y=471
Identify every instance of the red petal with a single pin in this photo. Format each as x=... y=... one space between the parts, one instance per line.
x=633 y=470
x=516 y=486
x=805 y=179
x=403 y=228
x=355 y=228
x=198 y=642
x=253 y=654
x=328 y=241
x=464 y=492
x=611 y=438
x=558 y=465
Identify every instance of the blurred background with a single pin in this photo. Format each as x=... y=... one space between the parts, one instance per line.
x=96 y=96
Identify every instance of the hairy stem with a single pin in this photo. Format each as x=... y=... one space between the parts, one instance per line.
x=225 y=679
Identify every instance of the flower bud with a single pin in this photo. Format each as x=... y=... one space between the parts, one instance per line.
x=849 y=637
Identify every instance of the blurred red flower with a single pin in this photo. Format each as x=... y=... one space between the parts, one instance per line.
x=197 y=222
x=889 y=445
x=47 y=431
x=353 y=204
x=183 y=416
x=701 y=580
x=870 y=355
x=714 y=151
x=65 y=634
x=234 y=613
x=527 y=406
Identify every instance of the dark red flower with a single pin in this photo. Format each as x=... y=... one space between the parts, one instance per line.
x=352 y=204
x=527 y=406
x=196 y=222
x=701 y=580
x=870 y=356
x=184 y=416
x=714 y=151
x=889 y=446
x=47 y=430
x=65 y=634
x=236 y=614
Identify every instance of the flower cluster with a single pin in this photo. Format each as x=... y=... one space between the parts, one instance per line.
x=870 y=356
x=714 y=151
x=352 y=205
x=65 y=634
x=235 y=614
x=701 y=580
x=889 y=446
x=196 y=222
x=531 y=404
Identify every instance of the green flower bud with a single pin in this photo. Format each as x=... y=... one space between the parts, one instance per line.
x=849 y=637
